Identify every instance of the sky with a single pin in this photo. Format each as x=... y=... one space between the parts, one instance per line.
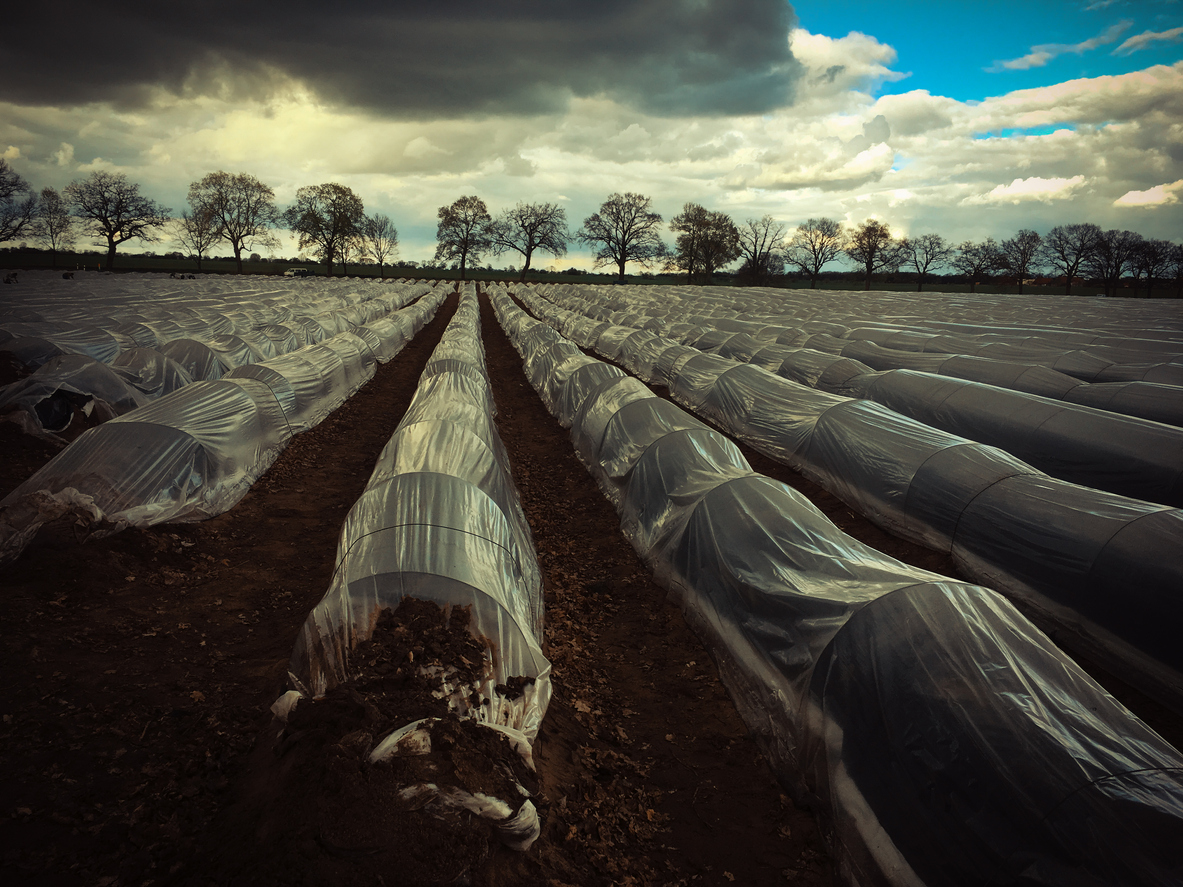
x=971 y=120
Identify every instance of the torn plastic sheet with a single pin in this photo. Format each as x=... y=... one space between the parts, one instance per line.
x=187 y=456
x=52 y=392
x=941 y=737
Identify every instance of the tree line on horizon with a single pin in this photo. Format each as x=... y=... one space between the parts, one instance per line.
x=330 y=221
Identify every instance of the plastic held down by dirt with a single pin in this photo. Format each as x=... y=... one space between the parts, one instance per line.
x=439 y=529
x=941 y=738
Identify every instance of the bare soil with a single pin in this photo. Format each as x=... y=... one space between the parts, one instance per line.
x=138 y=748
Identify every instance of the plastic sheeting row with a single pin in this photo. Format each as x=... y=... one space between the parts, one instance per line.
x=739 y=323
x=941 y=737
x=1102 y=567
x=194 y=453
x=126 y=346
x=440 y=520
x=1082 y=444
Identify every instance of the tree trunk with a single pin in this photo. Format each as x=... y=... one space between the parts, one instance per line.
x=382 y=270
x=463 y=263
x=813 y=280
x=621 y=264
x=110 y=253
x=238 y=256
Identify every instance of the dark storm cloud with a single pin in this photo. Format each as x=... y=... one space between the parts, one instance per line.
x=412 y=59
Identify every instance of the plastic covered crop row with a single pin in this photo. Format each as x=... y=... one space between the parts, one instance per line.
x=440 y=520
x=195 y=452
x=731 y=321
x=186 y=456
x=1099 y=565
x=942 y=739
x=1092 y=447
x=154 y=354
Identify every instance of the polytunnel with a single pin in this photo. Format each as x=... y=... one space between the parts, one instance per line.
x=193 y=452
x=1003 y=354
x=195 y=358
x=942 y=739
x=1132 y=457
x=1049 y=542
x=440 y=521
x=186 y=456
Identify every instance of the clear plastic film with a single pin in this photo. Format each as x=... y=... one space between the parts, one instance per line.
x=941 y=737
x=440 y=520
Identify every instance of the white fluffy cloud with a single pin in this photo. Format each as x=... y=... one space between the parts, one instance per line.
x=1033 y=188
x=1159 y=195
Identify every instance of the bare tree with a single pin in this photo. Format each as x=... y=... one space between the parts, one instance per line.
x=926 y=253
x=976 y=261
x=326 y=217
x=814 y=245
x=352 y=248
x=379 y=239
x=1152 y=258
x=762 y=248
x=463 y=233
x=1066 y=248
x=53 y=225
x=1175 y=268
x=196 y=231
x=1020 y=255
x=1112 y=257
x=18 y=203
x=529 y=227
x=872 y=248
x=623 y=231
x=112 y=208
x=242 y=208
x=707 y=241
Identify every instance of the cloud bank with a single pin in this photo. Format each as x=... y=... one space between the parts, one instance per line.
x=408 y=58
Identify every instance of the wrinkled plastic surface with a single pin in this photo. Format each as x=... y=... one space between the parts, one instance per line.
x=942 y=739
x=51 y=393
x=965 y=497
x=194 y=451
x=440 y=520
x=189 y=455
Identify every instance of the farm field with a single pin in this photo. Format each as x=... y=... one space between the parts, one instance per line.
x=143 y=666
